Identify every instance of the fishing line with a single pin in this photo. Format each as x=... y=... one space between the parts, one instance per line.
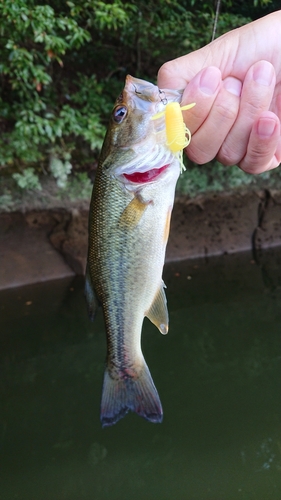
x=216 y=19
x=218 y=5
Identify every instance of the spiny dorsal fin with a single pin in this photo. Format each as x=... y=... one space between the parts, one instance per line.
x=158 y=312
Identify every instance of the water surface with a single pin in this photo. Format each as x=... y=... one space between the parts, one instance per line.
x=217 y=373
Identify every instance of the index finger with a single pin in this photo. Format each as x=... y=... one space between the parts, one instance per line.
x=176 y=74
x=203 y=90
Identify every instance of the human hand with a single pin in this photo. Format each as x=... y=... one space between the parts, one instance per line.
x=236 y=84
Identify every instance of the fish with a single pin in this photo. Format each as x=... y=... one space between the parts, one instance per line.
x=129 y=222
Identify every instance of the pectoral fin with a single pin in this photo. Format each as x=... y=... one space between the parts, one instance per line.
x=158 y=312
x=92 y=301
x=133 y=213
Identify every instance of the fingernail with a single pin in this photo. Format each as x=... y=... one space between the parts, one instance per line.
x=263 y=73
x=233 y=85
x=210 y=80
x=266 y=127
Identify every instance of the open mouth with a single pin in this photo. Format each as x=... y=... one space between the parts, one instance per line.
x=143 y=177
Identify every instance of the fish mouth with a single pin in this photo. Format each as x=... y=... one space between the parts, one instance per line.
x=144 y=177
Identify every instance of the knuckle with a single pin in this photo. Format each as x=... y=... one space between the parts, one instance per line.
x=226 y=111
x=165 y=71
x=254 y=162
x=229 y=155
x=260 y=158
x=198 y=155
x=253 y=108
x=252 y=167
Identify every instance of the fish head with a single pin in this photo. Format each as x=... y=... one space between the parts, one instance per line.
x=135 y=145
x=131 y=116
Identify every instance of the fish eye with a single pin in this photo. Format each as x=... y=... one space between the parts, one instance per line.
x=119 y=113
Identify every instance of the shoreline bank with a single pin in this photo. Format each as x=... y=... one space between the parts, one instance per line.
x=41 y=245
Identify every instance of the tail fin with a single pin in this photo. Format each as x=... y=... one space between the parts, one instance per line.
x=126 y=393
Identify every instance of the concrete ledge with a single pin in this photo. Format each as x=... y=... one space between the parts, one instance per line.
x=44 y=245
x=213 y=225
x=26 y=254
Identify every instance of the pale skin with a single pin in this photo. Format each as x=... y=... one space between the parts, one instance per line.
x=236 y=84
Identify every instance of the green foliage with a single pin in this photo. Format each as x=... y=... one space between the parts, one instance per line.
x=215 y=177
x=60 y=170
x=78 y=187
x=43 y=111
x=6 y=202
x=102 y=15
x=62 y=64
x=27 y=180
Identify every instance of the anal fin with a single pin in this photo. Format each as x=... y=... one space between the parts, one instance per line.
x=158 y=312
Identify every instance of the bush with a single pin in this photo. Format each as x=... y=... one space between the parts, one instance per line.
x=63 y=64
x=215 y=177
x=45 y=113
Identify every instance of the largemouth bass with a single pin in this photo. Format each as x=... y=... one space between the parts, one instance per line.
x=129 y=221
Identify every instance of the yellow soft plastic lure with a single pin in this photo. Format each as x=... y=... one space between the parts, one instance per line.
x=178 y=135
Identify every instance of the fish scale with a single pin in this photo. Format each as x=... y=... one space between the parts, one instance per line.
x=128 y=230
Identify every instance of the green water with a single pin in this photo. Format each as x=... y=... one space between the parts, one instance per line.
x=217 y=371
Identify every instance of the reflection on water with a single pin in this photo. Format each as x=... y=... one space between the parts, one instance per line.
x=217 y=372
